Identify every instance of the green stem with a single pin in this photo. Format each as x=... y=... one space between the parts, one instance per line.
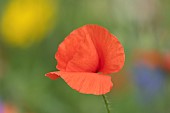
x=106 y=103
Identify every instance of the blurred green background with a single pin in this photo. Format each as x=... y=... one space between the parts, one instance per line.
x=30 y=31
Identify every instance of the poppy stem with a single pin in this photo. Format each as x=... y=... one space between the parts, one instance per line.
x=106 y=103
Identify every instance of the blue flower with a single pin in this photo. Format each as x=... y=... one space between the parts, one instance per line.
x=149 y=81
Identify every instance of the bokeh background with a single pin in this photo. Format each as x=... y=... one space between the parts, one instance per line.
x=30 y=31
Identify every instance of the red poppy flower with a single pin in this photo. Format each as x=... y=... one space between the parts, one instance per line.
x=86 y=56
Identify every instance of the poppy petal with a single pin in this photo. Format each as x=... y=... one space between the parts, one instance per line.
x=88 y=83
x=52 y=75
x=109 y=49
x=77 y=53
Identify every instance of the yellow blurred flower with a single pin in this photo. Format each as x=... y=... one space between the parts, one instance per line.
x=27 y=21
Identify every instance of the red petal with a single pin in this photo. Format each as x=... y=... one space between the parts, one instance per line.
x=77 y=53
x=52 y=75
x=90 y=48
x=110 y=51
x=88 y=83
